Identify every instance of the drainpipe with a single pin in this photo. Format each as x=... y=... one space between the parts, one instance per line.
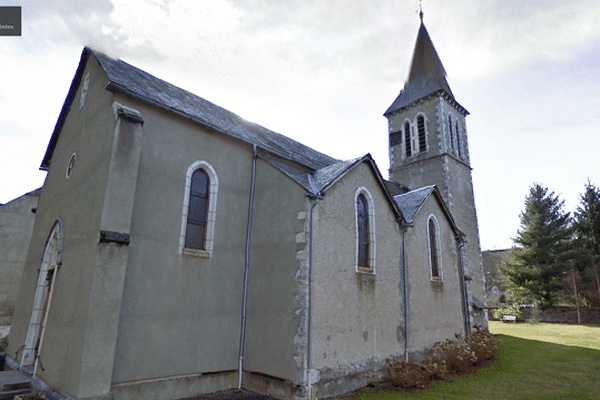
x=247 y=266
x=465 y=299
x=405 y=283
x=308 y=378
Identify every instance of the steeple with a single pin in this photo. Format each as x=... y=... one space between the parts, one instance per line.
x=428 y=145
x=427 y=74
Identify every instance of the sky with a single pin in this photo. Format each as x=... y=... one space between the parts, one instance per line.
x=323 y=72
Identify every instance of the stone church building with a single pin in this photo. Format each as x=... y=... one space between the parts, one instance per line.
x=186 y=250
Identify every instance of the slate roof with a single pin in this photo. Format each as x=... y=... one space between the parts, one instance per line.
x=125 y=78
x=427 y=74
x=317 y=181
x=410 y=202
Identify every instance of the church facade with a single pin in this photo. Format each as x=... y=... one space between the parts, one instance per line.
x=189 y=251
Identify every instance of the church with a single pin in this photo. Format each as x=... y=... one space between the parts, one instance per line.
x=179 y=249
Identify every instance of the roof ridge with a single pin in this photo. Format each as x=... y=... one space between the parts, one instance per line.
x=126 y=78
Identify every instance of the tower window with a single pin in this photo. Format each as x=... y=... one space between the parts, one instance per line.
x=407 y=140
x=422 y=135
x=451 y=133
x=457 y=139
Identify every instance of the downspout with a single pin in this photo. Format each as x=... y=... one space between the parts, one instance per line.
x=465 y=299
x=307 y=376
x=247 y=266
x=405 y=272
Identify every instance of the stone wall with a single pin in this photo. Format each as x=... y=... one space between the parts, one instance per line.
x=562 y=315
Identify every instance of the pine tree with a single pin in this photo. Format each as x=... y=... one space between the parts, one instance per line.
x=544 y=251
x=587 y=233
x=587 y=220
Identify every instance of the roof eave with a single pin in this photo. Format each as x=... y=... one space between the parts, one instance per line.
x=65 y=109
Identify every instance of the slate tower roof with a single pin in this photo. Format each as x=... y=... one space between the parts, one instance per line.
x=427 y=74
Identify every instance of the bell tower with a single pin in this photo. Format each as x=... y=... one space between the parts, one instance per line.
x=428 y=146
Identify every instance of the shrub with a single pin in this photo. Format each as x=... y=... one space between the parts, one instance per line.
x=450 y=357
x=454 y=354
x=406 y=374
x=483 y=345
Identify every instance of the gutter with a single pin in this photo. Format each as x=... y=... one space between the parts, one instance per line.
x=404 y=283
x=247 y=266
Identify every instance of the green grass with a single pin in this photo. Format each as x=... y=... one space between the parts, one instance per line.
x=541 y=361
x=570 y=335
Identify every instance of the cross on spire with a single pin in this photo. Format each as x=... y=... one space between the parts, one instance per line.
x=421 y=10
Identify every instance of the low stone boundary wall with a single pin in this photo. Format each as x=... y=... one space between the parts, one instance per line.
x=563 y=315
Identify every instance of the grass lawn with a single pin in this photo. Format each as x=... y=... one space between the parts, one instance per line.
x=541 y=361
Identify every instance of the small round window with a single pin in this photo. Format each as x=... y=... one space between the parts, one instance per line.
x=71 y=165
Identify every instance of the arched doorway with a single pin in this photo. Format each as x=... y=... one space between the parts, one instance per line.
x=51 y=260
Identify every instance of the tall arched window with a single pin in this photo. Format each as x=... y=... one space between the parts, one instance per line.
x=51 y=259
x=435 y=254
x=197 y=219
x=362 y=220
x=365 y=231
x=458 y=143
x=407 y=140
x=422 y=134
x=199 y=210
x=451 y=135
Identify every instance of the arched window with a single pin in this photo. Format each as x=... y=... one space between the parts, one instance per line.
x=362 y=220
x=51 y=259
x=422 y=134
x=365 y=231
x=407 y=140
x=197 y=219
x=458 y=144
x=199 y=210
x=451 y=133
x=435 y=254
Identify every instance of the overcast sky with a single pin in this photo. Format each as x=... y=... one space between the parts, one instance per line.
x=324 y=71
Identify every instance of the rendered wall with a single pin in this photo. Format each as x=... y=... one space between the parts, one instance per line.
x=435 y=310
x=16 y=225
x=357 y=318
x=276 y=310
x=181 y=314
x=89 y=131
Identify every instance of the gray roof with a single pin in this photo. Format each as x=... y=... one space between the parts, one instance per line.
x=410 y=202
x=125 y=78
x=427 y=74
x=318 y=181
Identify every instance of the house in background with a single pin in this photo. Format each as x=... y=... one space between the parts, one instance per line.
x=494 y=286
x=16 y=227
x=188 y=251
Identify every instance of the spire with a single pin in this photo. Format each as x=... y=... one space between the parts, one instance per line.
x=427 y=74
x=426 y=63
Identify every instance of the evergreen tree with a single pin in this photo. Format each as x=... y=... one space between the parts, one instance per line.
x=587 y=220
x=587 y=233
x=544 y=251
